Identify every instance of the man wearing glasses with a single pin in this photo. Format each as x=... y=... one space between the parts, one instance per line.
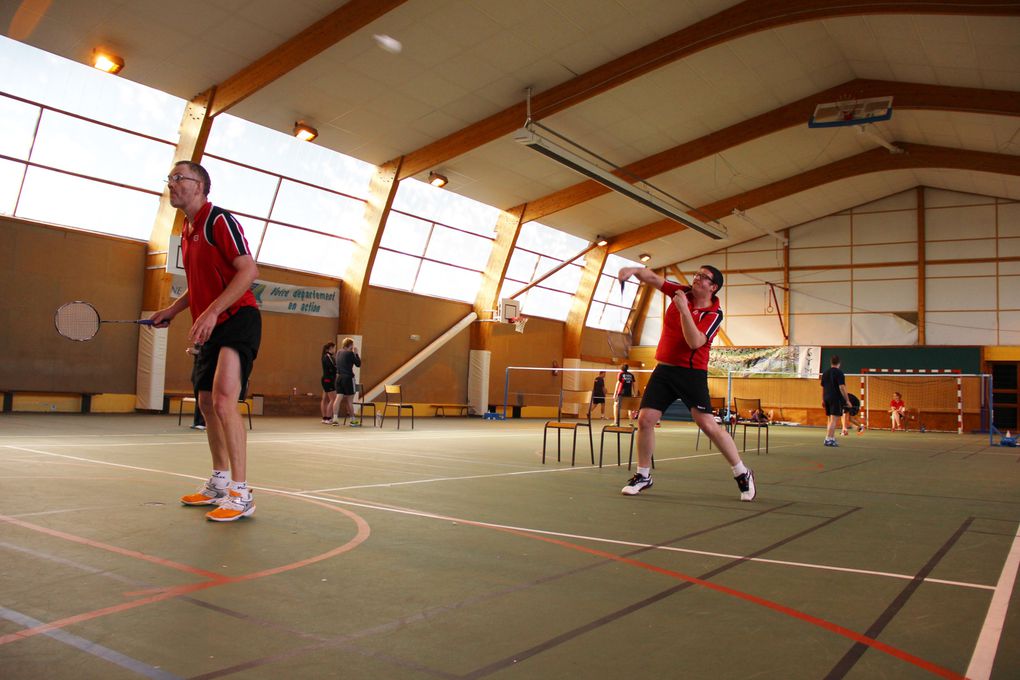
x=227 y=329
x=681 y=371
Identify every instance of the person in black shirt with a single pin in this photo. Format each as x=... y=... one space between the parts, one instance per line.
x=598 y=394
x=834 y=398
x=328 y=382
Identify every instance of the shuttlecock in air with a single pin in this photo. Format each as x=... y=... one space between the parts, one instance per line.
x=388 y=43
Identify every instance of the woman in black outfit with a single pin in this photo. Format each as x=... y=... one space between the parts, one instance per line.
x=328 y=384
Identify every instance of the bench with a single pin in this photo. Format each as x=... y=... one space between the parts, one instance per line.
x=86 y=397
x=462 y=409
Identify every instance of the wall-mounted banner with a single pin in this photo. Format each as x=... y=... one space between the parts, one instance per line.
x=799 y=361
x=283 y=298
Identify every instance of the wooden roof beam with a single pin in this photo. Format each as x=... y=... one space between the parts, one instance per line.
x=875 y=160
x=746 y=18
x=905 y=96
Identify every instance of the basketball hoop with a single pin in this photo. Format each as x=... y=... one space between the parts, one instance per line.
x=519 y=323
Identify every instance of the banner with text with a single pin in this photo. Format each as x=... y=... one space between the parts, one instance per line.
x=283 y=298
x=799 y=361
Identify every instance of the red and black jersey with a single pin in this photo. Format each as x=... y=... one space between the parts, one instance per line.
x=673 y=348
x=209 y=246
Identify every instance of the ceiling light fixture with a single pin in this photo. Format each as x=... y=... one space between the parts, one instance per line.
x=644 y=257
x=106 y=61
x=437 y=180
x=304 y=131
x=532 y=139
x=599 y=241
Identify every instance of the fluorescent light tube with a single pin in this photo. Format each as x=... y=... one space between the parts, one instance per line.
x=531 y=139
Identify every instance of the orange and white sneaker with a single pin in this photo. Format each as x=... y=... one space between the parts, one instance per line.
x=233 y=507
x=207 y=495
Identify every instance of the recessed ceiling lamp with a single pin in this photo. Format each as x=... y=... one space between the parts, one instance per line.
x=107 y=61
x=437 y=180
x=304 y=131
x=599 y=241
x=644 y=257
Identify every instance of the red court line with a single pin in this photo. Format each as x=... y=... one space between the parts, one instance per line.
x=763 y=602
x=769 y=604
x=362 y=534
x=112 y=548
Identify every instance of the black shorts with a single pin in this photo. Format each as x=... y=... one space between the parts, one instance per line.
x=345 y=385
x=855 y=406
x=834 y=407
x=327 y=385
x=669 y=383
x=242 y=333
x=598 y=400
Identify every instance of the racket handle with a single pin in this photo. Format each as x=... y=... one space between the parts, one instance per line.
x=145 y=322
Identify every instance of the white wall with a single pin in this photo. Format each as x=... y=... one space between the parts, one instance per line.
x=854 y=276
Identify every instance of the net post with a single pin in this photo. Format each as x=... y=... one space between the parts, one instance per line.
x=506 y=391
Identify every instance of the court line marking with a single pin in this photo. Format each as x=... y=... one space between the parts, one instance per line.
x=90 y=647
x=595 y=539
x=546 y=536
x=987 y=645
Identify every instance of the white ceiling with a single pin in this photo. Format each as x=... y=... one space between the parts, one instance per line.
x=465 y=61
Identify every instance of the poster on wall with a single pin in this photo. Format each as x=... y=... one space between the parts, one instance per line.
x=283 y=298
x=798 y=361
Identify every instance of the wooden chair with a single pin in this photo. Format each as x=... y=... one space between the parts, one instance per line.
x=582 y=399
x=745 y=409
x=394 y=399
x=618 y=430
x=719 y=410
x=191 y=400
x=361 y=404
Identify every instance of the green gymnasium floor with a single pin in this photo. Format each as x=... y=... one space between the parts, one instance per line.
x=450 y=551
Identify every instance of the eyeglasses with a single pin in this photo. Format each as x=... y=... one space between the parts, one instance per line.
x=708 y=278
x=177 y=179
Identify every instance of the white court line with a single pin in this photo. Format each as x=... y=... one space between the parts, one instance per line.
x=981 y=662
x=494 y=474
x=595 y=539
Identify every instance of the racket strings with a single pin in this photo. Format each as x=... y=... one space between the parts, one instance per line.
x=77 y=321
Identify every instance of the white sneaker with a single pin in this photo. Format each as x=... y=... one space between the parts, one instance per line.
x=637 y=484
x=745 y=483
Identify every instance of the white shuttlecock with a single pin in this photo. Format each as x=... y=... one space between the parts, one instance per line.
x=388 y=43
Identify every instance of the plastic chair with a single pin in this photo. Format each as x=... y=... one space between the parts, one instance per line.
x=394 y=399
x=582 y=399
x=746 y=409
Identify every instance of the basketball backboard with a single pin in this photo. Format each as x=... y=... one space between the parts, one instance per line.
x=509 y=309
x=851 y=112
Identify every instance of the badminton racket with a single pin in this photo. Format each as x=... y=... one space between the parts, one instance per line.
x=80 y=321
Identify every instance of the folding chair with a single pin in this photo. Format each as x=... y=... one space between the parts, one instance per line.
x=582 y=399
x=394 y=399
x=718 y=411
x=746 y=408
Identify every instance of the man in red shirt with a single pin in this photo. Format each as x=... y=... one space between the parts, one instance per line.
x=227 y=328
x=688 y=328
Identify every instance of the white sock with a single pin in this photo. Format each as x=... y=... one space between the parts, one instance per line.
x=644 y=472
x=739 y=469
x=241 y=488
x=220 y=478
